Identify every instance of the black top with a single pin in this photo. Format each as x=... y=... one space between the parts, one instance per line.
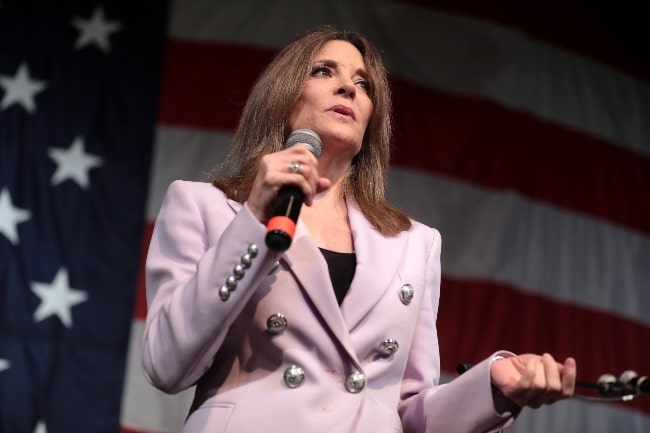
x=341 y=267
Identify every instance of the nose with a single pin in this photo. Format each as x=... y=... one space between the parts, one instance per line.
x=346 y=87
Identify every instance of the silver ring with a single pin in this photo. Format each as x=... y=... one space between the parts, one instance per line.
x=295 y=167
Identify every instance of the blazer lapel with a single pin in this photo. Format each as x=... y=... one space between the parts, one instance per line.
x=308 y=265
x=378 y=259
x=306 y=262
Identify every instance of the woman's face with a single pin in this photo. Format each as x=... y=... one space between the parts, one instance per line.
x=335 y=101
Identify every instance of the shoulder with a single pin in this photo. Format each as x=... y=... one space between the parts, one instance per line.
x=421 y=230
x=186 y=187
x=199 y=192
x=195 y=207
x=426 y=240
x=197 y=197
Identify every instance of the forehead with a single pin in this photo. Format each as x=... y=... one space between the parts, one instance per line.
x=341 y=51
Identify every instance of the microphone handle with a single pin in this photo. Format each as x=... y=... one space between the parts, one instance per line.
x=282 y=226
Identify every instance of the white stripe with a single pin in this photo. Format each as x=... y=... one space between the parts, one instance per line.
x=144 y=407
x=180 y=153
x=453 y=53
x=538 y=248
x=491 y=235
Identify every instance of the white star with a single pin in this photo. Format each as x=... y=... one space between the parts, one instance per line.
x=20 y=89
x=4 y=364
x=73 y=163
x=40 y=427
x=57 y=298
x=10 y=217
x=95 y=30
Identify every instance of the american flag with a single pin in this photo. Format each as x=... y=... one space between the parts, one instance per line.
x=79 y=85
x=522 y=134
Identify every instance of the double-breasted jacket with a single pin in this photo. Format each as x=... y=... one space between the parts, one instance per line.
x=261 y=335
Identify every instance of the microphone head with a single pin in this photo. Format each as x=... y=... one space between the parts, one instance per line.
x=606 y=384
x=606 y=379
x=308 y=137
x=628 y=377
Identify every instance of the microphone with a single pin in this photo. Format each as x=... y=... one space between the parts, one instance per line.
x=626 y=387
x=630 y=379
x=608 y=385
x=282 y=225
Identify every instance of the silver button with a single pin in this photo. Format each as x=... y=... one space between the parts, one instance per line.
x=238 y=271
x=246 y=260
x=253 y=250
x=293 y=376
x=355 y=382
x=406 y=294
x=224 y=293
x=388 y=347
x=231 y=283
x=276 y=323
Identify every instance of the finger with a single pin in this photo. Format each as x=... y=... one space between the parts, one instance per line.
x=536 y=394
x=323 y=184
x=302 y=152
x=553 y=379
x=297 y=168
x=275 y=171
x=569 y=375
x=528 y=376
x=301 y=156
x=551 y=373
x=306 y=183
x=560 y=380
x=520 y=392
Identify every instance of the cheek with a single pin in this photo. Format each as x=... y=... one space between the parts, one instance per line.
x=303 y=110
x=296 y=114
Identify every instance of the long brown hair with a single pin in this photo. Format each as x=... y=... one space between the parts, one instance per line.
x=262 y=128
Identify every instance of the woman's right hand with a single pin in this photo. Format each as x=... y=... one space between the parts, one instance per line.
x=274 y=173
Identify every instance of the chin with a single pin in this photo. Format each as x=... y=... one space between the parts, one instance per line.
x=341 y=136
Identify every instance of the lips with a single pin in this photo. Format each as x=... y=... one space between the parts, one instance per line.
x=343 y=110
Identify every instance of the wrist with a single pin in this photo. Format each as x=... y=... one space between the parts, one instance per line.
x=502 y=404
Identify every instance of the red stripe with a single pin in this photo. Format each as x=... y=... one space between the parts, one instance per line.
x=140 y=312
x=478 y=317
x=206 y=86
x=480 y=142
x=614 y=33
x=470 y=139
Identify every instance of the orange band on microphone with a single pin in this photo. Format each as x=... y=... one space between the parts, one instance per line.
x=283 y=224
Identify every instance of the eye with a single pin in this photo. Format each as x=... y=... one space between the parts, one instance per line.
x=321 y=71
x=365 y=85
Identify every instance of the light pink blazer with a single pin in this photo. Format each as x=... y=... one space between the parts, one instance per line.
x=192 y=336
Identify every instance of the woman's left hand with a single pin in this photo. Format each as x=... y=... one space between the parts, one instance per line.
x=533 y=380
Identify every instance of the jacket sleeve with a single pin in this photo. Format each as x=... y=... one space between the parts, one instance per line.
x=187 y=320
x=464 y=405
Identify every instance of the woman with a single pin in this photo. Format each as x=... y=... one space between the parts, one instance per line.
x=337 y=334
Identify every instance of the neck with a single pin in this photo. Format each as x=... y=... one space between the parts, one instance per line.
x=327 y=220
x=333 y=168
